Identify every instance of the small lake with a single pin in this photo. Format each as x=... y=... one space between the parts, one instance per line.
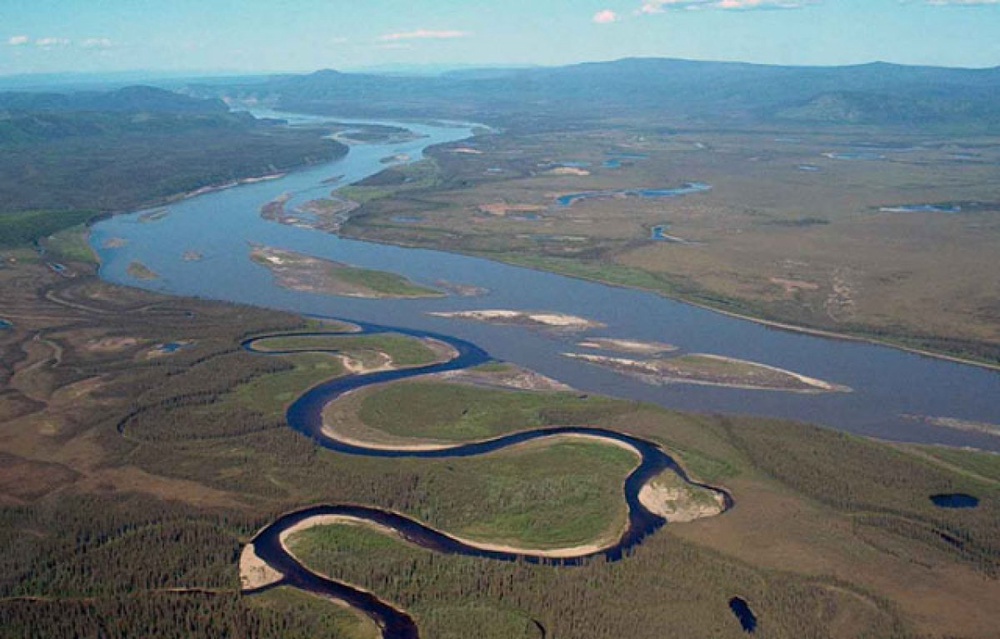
x=6 y=325
x=741 y=609
x=890 y=386
x=955 y=500
x=688 y=189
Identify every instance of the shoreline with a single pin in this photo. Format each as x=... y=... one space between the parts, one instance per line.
x=816 y=386
x=792 y=328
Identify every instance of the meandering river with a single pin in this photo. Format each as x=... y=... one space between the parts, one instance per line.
x=895 y=392
x=306 y=416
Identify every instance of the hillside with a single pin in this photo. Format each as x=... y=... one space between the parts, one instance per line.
x=877 y=93
x=77 y=155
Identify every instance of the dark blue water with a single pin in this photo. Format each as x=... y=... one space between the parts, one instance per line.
x=659 y=234
x=173 y=347
x=740 y=608
x=888 y=384
x=5 y=325
x=305 y=415
x=687 y=189
x=955 y=500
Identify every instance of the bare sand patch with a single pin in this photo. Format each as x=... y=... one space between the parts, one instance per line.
x=678 y=504
x=712 y=370
x=627 y=345
x=569 y=170
x=524 y=318
x=254 y=571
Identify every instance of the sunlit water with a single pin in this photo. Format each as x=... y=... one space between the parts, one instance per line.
x=888 y=384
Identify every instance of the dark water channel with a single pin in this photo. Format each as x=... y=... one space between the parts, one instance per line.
x=306 y=417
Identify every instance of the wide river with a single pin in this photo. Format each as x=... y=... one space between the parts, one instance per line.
x=891 y=387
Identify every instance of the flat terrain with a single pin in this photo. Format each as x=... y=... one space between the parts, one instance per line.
x=130 y=421
x=855 y=230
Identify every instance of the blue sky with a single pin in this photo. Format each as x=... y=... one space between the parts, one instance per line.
x=304 y=35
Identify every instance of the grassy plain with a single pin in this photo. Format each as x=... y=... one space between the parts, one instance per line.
x=832 y=535
x=441 y=411
x=788 y=233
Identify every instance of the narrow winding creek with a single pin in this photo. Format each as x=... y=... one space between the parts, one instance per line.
x=306 y=416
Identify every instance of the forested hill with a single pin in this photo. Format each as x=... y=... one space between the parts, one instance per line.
x=68 y=157
x=878 y=93
x=137 y=99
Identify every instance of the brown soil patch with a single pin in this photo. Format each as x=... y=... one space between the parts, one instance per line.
x=501 y=209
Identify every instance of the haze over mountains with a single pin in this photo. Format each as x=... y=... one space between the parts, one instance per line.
x=877 y=93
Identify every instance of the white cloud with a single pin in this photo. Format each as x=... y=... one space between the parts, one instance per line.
x=605 y=17
x=97 y=43
x=423 y=34
x=18 y=40
x=661 y=6
x=48 y=43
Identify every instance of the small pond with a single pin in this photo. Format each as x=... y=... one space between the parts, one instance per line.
x=687 y=189
x=955 y=500
x=741 y=609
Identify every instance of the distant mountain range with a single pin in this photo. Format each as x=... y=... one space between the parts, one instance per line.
x=877 y=93
x=134 y=99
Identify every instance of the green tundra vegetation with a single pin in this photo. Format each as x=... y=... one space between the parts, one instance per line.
x=131 y=478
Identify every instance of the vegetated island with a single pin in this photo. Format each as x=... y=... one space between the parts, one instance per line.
x=542 y=319
x=304 y=273
x=461 y=290
x=323 y=214
x=140 y=271
x=712 y=370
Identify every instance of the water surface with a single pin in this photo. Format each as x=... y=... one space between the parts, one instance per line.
x=888 y=384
